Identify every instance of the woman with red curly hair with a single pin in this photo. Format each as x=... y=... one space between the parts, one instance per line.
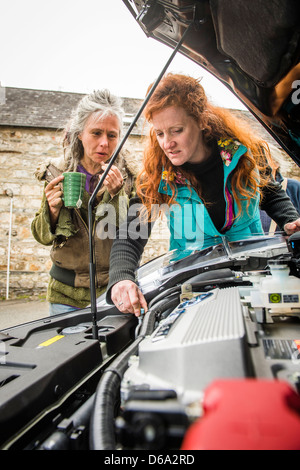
x=207 y=170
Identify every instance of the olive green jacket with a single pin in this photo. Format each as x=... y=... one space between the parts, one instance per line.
x=69 y=277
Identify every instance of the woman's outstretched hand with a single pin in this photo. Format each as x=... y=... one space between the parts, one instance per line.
x=128 y=298
x=292 y=227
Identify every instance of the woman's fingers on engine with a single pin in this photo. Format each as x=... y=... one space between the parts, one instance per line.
x=128 y=298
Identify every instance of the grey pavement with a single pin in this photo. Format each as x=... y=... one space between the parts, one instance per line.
x=16 y=312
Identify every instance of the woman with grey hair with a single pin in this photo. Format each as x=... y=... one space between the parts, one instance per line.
x=90 y=140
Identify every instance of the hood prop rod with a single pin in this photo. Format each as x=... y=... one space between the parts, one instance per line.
x=92 y=266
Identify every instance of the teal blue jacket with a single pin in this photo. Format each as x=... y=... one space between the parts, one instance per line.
x=190 y=224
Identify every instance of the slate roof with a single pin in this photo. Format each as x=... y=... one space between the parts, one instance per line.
x=22 y=107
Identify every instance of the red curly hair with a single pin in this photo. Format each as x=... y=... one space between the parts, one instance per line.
x=218 y=123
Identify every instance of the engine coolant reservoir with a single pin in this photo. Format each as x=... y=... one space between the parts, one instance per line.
x=280 y=290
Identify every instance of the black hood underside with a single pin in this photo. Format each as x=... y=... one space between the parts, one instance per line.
x=252 y=47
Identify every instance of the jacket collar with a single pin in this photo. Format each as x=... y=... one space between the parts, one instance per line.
x=230 y=151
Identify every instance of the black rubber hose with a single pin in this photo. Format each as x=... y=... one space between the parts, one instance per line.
x=59 y=440
x=165 y=303
x=164 y=295
x=102 y=436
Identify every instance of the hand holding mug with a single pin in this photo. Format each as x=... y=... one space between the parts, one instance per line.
x=54 y=193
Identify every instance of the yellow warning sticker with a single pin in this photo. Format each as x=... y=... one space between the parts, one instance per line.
x=50 y=341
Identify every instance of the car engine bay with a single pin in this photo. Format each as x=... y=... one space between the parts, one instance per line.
x=223 y=321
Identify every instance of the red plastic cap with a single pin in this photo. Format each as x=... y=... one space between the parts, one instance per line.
x=247 y=415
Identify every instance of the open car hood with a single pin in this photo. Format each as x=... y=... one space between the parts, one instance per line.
x=252 y=47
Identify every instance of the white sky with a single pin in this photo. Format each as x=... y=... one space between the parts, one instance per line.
x=82 y=45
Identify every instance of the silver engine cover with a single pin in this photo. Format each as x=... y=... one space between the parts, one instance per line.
x=202 y=339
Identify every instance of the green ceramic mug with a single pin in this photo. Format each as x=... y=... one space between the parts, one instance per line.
x=73 y=187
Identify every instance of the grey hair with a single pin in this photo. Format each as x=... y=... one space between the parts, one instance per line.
x=99 y=103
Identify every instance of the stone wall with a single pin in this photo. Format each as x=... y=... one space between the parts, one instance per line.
x=20 y=150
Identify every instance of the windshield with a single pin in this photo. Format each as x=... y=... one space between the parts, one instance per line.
x=171 y=265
